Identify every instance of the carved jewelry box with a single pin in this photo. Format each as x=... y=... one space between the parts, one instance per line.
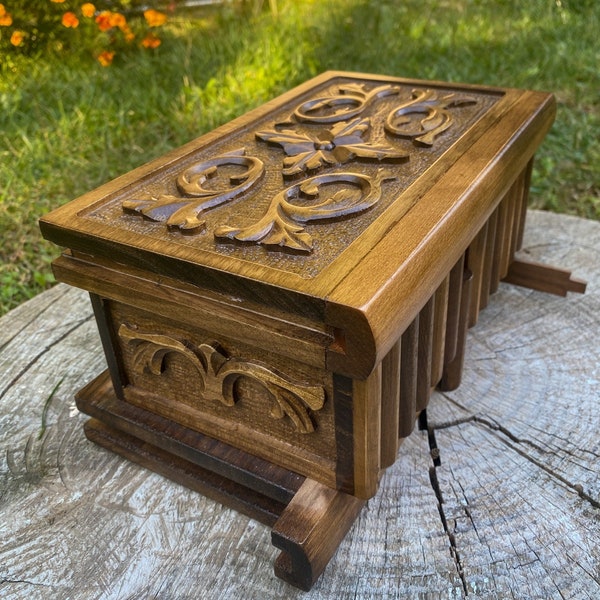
x=278 y=298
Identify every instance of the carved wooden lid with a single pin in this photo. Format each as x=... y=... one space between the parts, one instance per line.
x=325 y=198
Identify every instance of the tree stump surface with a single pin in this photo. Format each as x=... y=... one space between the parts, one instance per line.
x=511 y=511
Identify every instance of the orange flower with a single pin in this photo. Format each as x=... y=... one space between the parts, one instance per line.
x=151 y=41
x=16 y=39
x=70 y=19
x=128 y=34
x=103 y=20
x=154 y=18
x=105 y=58
x=88 y=10
x=5 y=18
x=57 y=1
x=117 y=20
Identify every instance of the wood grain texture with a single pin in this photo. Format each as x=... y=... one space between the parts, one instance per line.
x=390 y=405
x=310 y=530
x=419 y=241
x=360 y=169
x=519 y=477
x=543 y=278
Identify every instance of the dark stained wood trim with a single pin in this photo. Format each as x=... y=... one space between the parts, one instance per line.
x=113 y=360
x=342 y=402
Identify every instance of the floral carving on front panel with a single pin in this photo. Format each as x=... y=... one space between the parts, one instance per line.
x=340 y=144
x=425 y=116
x=283 y=223
x=202 y=186
x=218 y=375
x=350 y=101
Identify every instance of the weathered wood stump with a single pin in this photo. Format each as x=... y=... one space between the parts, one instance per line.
x=499 y=498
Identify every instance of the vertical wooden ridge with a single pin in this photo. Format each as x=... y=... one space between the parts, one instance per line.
x=454 y=297
x=453 y=368
x=510 y=202
x=409 y=363
x=439 y=331
x=524 y=203
x=424 y=354
x=488 y=261
x=475 y=264
x=366 y=421
x=519 y=198
x=390 y=405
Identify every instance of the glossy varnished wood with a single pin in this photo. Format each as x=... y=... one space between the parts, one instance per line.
x=278 y=299
x=354 y=290
x=310 y=530
x=390 y=405
x=253 y=477
x=544 y=278
x=518 y=472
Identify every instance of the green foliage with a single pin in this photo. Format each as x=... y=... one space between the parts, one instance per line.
x=67 y=124
x=61 y=27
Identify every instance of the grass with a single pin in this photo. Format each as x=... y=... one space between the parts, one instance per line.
x=67 y=124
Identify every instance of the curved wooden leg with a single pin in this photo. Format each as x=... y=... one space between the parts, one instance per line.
x=309 y=531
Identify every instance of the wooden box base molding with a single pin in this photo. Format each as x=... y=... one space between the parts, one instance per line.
x=309 y=520
x=278 y=299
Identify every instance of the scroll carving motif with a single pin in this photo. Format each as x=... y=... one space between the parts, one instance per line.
x=341 y=144
x=197 y=195
x=350 y=101
x=282 y=223
x=324 y=132
x=425 y=116
x=218 y=374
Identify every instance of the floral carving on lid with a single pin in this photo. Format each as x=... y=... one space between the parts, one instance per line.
x=196 y=195
x=334 y=145
x=341 y=144
x=406 y=120
x=282 y=224
x=350 y=101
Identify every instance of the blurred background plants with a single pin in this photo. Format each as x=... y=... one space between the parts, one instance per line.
x=33 y=27
x=68 y=124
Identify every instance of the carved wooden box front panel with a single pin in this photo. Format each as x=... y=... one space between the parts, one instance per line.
x=253 y=399
x=293 y=189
